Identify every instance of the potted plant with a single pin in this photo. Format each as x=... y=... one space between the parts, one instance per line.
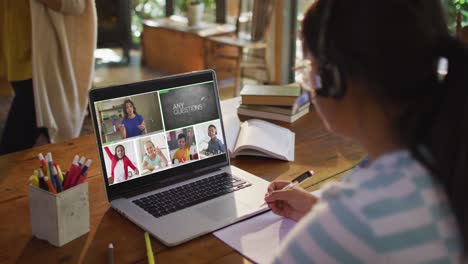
x=195 y=10
x=452 y=9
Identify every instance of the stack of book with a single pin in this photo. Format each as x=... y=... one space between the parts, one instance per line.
x=273 y=102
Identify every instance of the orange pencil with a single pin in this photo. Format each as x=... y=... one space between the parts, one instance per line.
x=49 y=184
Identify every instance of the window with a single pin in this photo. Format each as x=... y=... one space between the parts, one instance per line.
x=145 y=9
x=302 y=6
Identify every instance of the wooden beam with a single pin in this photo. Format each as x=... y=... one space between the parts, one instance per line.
x=285 y=40
x=220 y=11
x=278 y=26
x=169 y=8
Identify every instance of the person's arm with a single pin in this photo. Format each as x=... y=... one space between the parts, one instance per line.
x=67 y=7
x=55 y=5
x=337 y=235
x=111 y=157
x=293 y=203
x=131 y=165
x=176 y=155
x=142 y=125
x=109 y=153
x=190 y=139
x=161 y=155
x=145 y=165
x=221 y=146
x=123 y=131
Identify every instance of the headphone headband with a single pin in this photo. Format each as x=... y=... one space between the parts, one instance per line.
x=330 y=84
x=323 y=31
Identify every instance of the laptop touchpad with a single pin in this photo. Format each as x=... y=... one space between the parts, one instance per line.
x=223 y=209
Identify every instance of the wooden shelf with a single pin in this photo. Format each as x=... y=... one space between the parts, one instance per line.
x=106 y=122
x=111 y=109
x=177 y=40
x=112 y=133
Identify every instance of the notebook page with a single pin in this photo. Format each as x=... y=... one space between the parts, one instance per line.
x=230 y=121
x=258 y=238
x=266 y=136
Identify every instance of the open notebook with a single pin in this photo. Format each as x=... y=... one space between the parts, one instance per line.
x=256 y=137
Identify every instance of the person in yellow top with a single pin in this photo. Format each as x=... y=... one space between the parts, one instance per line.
x=183 y=153
x=15 y=67
x=46 y=54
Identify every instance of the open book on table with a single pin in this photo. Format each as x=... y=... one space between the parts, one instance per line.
x=261 y=138
x=257 y=137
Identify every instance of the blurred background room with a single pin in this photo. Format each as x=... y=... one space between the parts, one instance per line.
x=244 y=41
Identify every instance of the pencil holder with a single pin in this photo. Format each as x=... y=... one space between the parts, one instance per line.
x=59 y=218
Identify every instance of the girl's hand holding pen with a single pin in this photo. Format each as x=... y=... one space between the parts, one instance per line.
x=293 y=203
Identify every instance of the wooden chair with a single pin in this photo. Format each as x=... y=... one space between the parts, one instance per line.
x=464 y=35
x=234 y=54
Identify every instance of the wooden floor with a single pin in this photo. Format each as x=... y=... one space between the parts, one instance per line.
x=107 y=74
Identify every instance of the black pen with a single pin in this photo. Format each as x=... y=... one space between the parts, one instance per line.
x=301 y=177
x=110 y=254
x=296 y=181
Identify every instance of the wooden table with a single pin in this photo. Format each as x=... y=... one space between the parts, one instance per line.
x=315 y=149
x=170 y=46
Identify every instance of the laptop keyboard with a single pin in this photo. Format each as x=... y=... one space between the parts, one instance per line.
x=175 y=199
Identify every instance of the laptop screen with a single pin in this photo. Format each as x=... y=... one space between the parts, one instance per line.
x=153 y=131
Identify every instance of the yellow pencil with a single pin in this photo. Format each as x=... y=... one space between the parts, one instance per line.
x=60 y=174
x=149 y=249
x=34 y=180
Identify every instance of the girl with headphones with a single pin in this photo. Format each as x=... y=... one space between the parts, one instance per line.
x=388 y=75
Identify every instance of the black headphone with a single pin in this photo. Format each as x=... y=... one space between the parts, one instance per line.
x=330 y=81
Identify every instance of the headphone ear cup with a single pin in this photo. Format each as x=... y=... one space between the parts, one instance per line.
x=338 y=89
x=323 y=82
x=331 y=82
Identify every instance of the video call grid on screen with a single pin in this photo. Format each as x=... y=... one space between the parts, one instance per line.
x=166 y=114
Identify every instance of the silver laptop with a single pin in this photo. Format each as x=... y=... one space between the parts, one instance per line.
x=163 y=153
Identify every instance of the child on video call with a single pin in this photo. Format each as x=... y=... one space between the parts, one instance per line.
x=119 y=164
x=154 y=157
x=183 y=153
x=215 y=146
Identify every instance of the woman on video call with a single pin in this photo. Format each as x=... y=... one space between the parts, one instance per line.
x=388 y=75
x=133 y=123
